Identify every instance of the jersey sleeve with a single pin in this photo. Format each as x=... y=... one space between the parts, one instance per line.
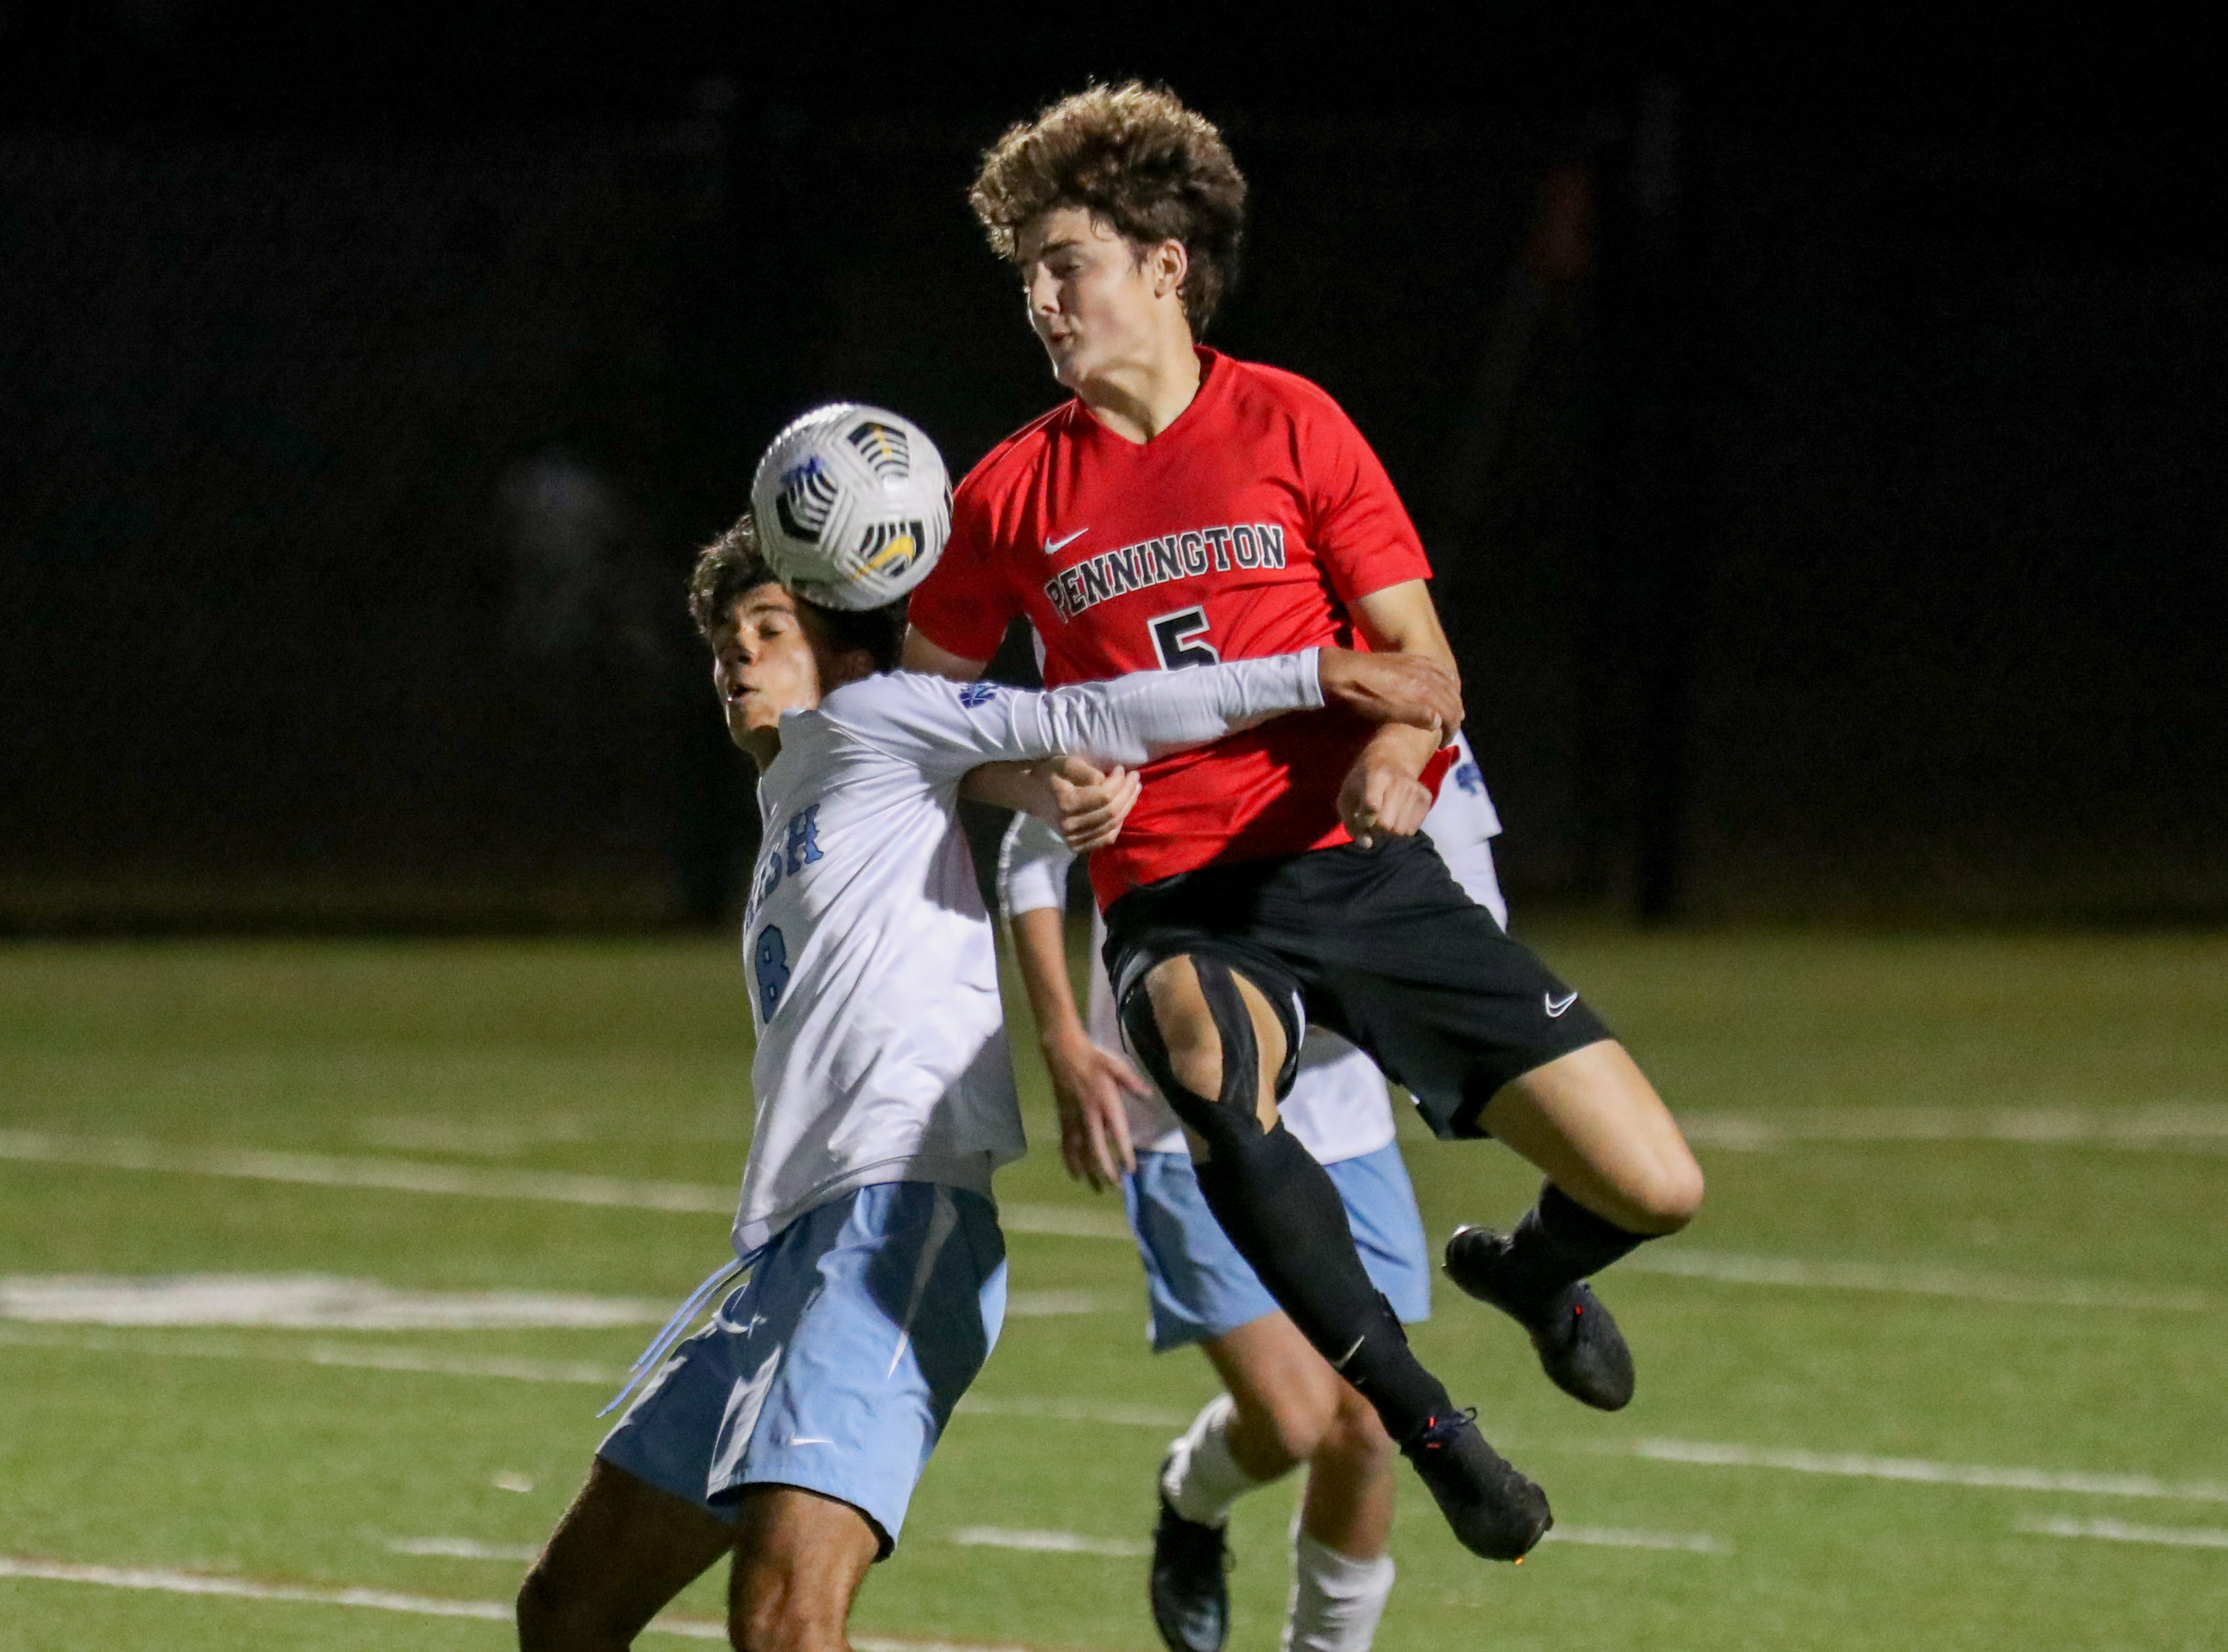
x=1033 y=865
x=945 y=728
x=1360 y=529
x=965 y=604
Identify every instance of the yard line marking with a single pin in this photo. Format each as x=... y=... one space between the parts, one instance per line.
x=1717 y=1455
x=1049 y=1304
x=1615 y=1537
x=462 y=1549
x=1726 y=1268
x=1063 y=1221
x=999 y=1537
x=2174 y=1127
x=419 y=1360
x=1072 y=1410
x=163 y=1580
x=301 y=1301
x=459 y=1181
x=1702 y=1453
x=2113 y=1531
x=334 y=1170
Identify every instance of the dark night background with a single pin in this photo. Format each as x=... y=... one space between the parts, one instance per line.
x=1819 y=435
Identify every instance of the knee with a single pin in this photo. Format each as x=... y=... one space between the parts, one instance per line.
x=774 y=1626
x=1355 y=1441
x=1667 y=1199
x=1296 y=1426
x=1183 y=1024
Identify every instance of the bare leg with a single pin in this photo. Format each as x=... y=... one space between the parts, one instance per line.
x=1293 y=1408
x=622 y=1550
x=1594 y=1124
x=800 y=1557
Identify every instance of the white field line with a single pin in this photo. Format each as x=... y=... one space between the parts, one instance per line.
x=459 y=1181
x=1723 y=1267
x=462 y=1549
x=1068 y=1222
x=1051 y=1304
x=419 y=1360
x=301 y=1301
x=332 y=1170
x=1072 y=1411
x=2113 y=1531
x=1716 y=1455
x=998 y=1537
x=2186 y=1127
x=1615 y=1537
x=1701 y=1453
x=163 y=1581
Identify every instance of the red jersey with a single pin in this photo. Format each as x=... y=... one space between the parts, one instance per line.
x=1244 y=529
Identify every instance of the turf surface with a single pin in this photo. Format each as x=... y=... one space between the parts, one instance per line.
x=2043 y=1117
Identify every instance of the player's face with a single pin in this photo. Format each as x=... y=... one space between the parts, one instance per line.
x=1092 y=300
x=764 y=663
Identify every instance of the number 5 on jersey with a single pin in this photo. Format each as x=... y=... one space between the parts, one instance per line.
x=1180 y=639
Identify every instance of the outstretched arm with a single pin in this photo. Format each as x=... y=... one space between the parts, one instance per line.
x=948 y=729
x=1134 y=718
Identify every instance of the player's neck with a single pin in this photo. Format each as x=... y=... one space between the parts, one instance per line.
x=1140 y=398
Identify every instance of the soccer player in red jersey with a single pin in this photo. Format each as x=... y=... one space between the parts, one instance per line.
x=1185 y=507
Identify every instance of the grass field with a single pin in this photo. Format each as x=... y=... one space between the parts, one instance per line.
x=1943 y=1365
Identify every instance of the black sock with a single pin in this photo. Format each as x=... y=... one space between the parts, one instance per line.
x=1282 y=1212
x=1558 y=1242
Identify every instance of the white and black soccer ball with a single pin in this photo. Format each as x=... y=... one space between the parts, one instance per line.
x=852 y=504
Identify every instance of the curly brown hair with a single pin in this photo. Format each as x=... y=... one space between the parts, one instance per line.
x=732 y=567
x=1134 y=157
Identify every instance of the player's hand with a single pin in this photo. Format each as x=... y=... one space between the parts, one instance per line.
x=1382 y=797
x=1089 y=1083
x=1092 y=806
x=1411 y=688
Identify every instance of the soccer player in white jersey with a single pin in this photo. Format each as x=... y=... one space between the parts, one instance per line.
x=1284 y=1405
x=789 y=1432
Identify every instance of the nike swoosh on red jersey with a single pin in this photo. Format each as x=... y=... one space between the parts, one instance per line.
x=1054 y=547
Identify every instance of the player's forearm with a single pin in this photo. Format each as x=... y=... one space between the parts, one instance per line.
x=1025 y=788
x=1040 y=953
x=1132 y=719
x=1401 y=747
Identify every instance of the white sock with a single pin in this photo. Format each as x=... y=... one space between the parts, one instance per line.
x=1336 y=1601
x=1202 y=1479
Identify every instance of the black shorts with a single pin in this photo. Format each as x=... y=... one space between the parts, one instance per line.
x=1381 y=946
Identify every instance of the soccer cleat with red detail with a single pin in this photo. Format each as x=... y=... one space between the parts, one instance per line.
x=1496 y=1513
x=1579 y=1346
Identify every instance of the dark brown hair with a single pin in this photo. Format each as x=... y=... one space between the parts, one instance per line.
x=732 y=567
x=1134 y=157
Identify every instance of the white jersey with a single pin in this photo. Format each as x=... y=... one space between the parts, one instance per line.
x=872 y=971
x=1339 y=1106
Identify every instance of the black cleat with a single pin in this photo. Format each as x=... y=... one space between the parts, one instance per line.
x=1191 y=1595
x=1580 y=1347
x=1496 y=1513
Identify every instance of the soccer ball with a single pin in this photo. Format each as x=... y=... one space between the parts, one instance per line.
x=853 y=506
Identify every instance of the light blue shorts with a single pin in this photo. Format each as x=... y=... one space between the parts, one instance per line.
x=1202 y=1288
x=835 y=1366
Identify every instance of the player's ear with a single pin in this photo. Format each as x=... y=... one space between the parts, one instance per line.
x=1167 y=263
